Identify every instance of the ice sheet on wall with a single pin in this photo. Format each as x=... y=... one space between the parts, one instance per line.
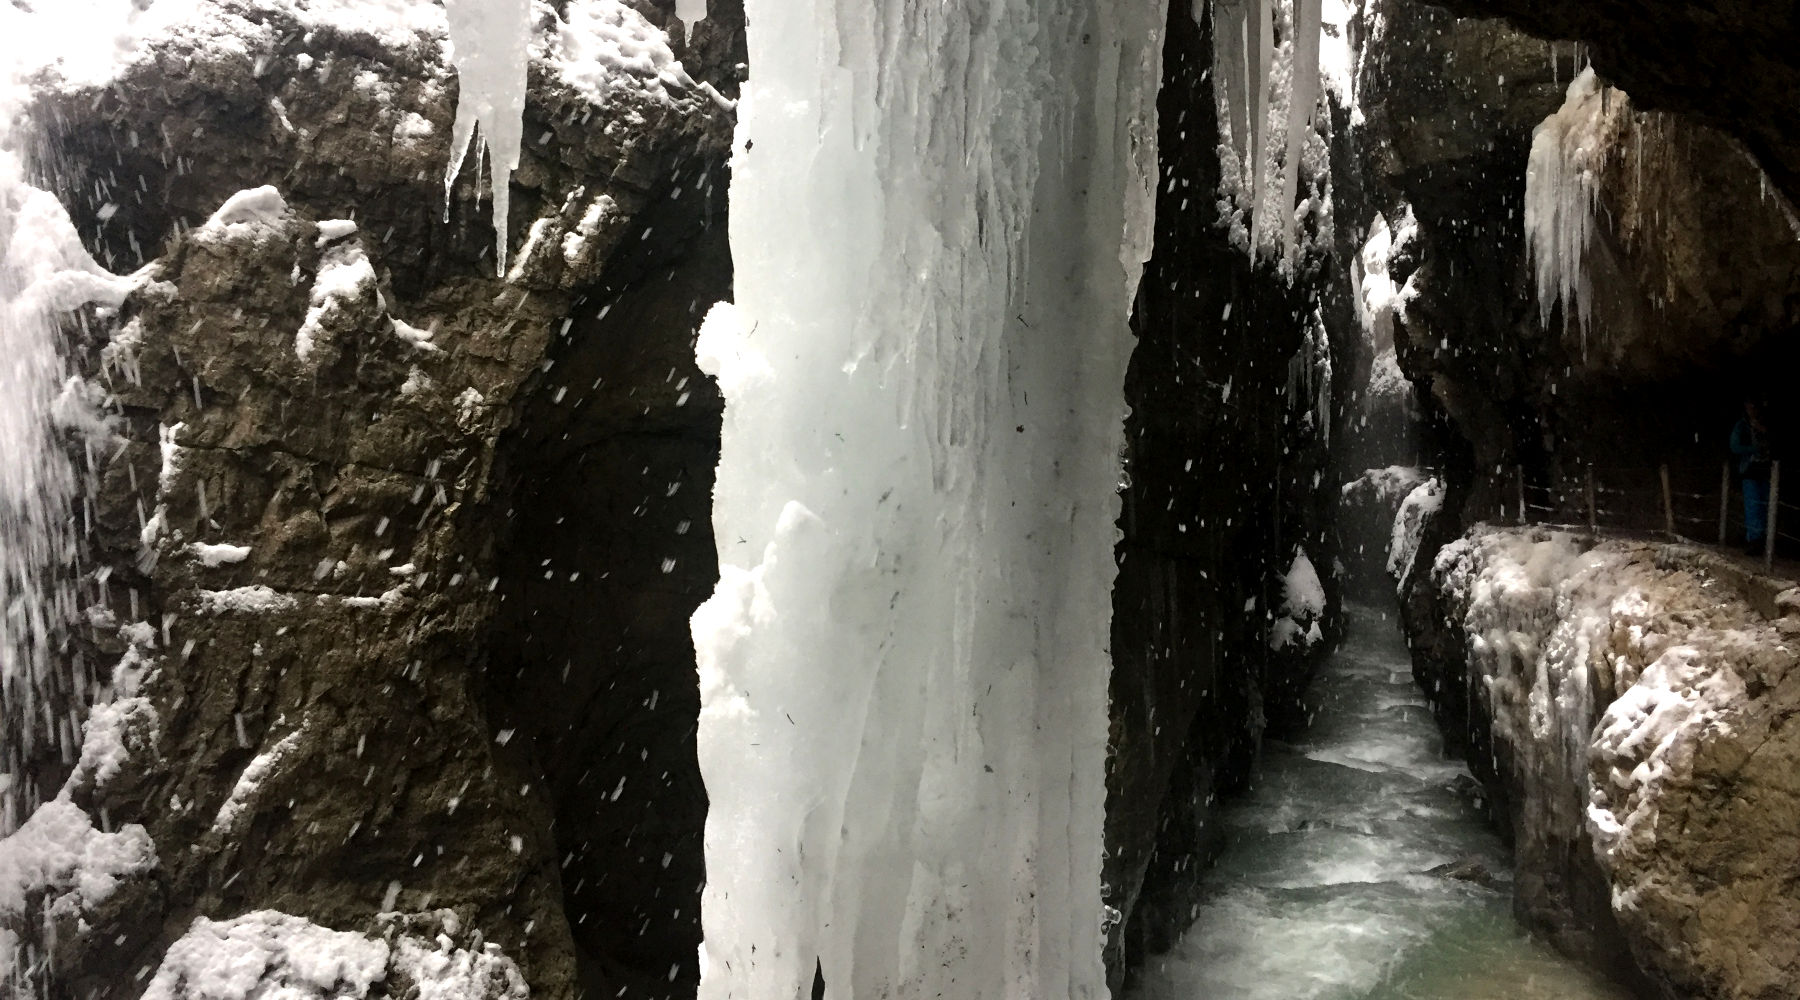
x=939 y=211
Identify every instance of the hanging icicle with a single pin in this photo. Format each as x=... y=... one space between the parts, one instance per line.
x=490 y=45
x=1562 y=183
x=1268 y=96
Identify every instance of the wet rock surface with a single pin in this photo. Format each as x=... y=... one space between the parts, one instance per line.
x=398 y=555
x=1630 y=712
x=307 y=475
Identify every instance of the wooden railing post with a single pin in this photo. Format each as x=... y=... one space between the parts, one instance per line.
x=1519 y=483
x=1668 y=502
x=1725 y=504
x=1774 y=505
x=1592 y=506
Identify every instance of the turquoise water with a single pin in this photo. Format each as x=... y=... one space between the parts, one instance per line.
x=1323 y=892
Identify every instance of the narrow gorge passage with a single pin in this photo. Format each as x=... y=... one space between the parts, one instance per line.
x=1331 y=888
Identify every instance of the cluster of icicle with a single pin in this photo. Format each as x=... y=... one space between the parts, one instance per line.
x=1268 y=93
x=1562 y=185
x=490 y=45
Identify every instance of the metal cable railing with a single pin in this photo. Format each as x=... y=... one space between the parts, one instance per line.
x=1673 y=503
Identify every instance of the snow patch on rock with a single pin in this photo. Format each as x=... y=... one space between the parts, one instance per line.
x=222 y=554
x=345 y=278
x=253 y=599
x=268 y=954
x=1416 y=512
x=1302 y=606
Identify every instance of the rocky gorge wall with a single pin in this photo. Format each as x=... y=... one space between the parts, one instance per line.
x=1692 y=261
x=319 y=447
x=391 y=559
x=1615 y=699
x=1630 y=708
x=1226 y=461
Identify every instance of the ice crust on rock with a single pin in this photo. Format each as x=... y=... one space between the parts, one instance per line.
x=604 y=44
x=904 y=668
x=64 y=861
x=263 y=206
x=1611 y=671
x=1302 y=605
x=1391 y=485
x=345 y=277
x=1379 y=300
x=268 y=954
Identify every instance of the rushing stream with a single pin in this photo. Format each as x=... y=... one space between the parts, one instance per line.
x=1323 y=892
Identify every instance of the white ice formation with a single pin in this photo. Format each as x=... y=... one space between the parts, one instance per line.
x=1562 y=183
x=1389 y=486
x=1268 y=93
x=46 y=275
x=691 y=12
x=1380 y=301
x=267 y=954
x=1616 y=678
x=939 y=214
x=490 y=43
x=1302 y=606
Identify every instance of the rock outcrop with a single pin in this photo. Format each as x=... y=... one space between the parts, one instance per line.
x=1686 y=321
x=1633 y=716
x=322 y=434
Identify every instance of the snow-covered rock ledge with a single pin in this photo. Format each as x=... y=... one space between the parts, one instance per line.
x=1638 y=721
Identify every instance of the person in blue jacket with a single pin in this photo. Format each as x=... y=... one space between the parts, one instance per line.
x=1750 y=451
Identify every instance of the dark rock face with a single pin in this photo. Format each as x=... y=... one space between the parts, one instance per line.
x=1730 y=65
x=1224 y=478
x=608 y=550
x=346 y=711
x=1651 y=817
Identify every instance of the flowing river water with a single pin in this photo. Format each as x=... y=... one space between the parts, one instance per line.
x=1323 y=892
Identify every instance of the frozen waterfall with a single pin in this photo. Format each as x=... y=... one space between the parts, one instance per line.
x=45 y=274
x=939 y=214
x=1268 y=93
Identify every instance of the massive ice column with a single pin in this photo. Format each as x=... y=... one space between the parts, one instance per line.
x=939 y=211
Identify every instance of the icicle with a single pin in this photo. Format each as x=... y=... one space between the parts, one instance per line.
x=1303 y=97
x=1268 y=96
x=1264 y=41
x=490 y=45
x=691 y=12
x=1561 y=187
